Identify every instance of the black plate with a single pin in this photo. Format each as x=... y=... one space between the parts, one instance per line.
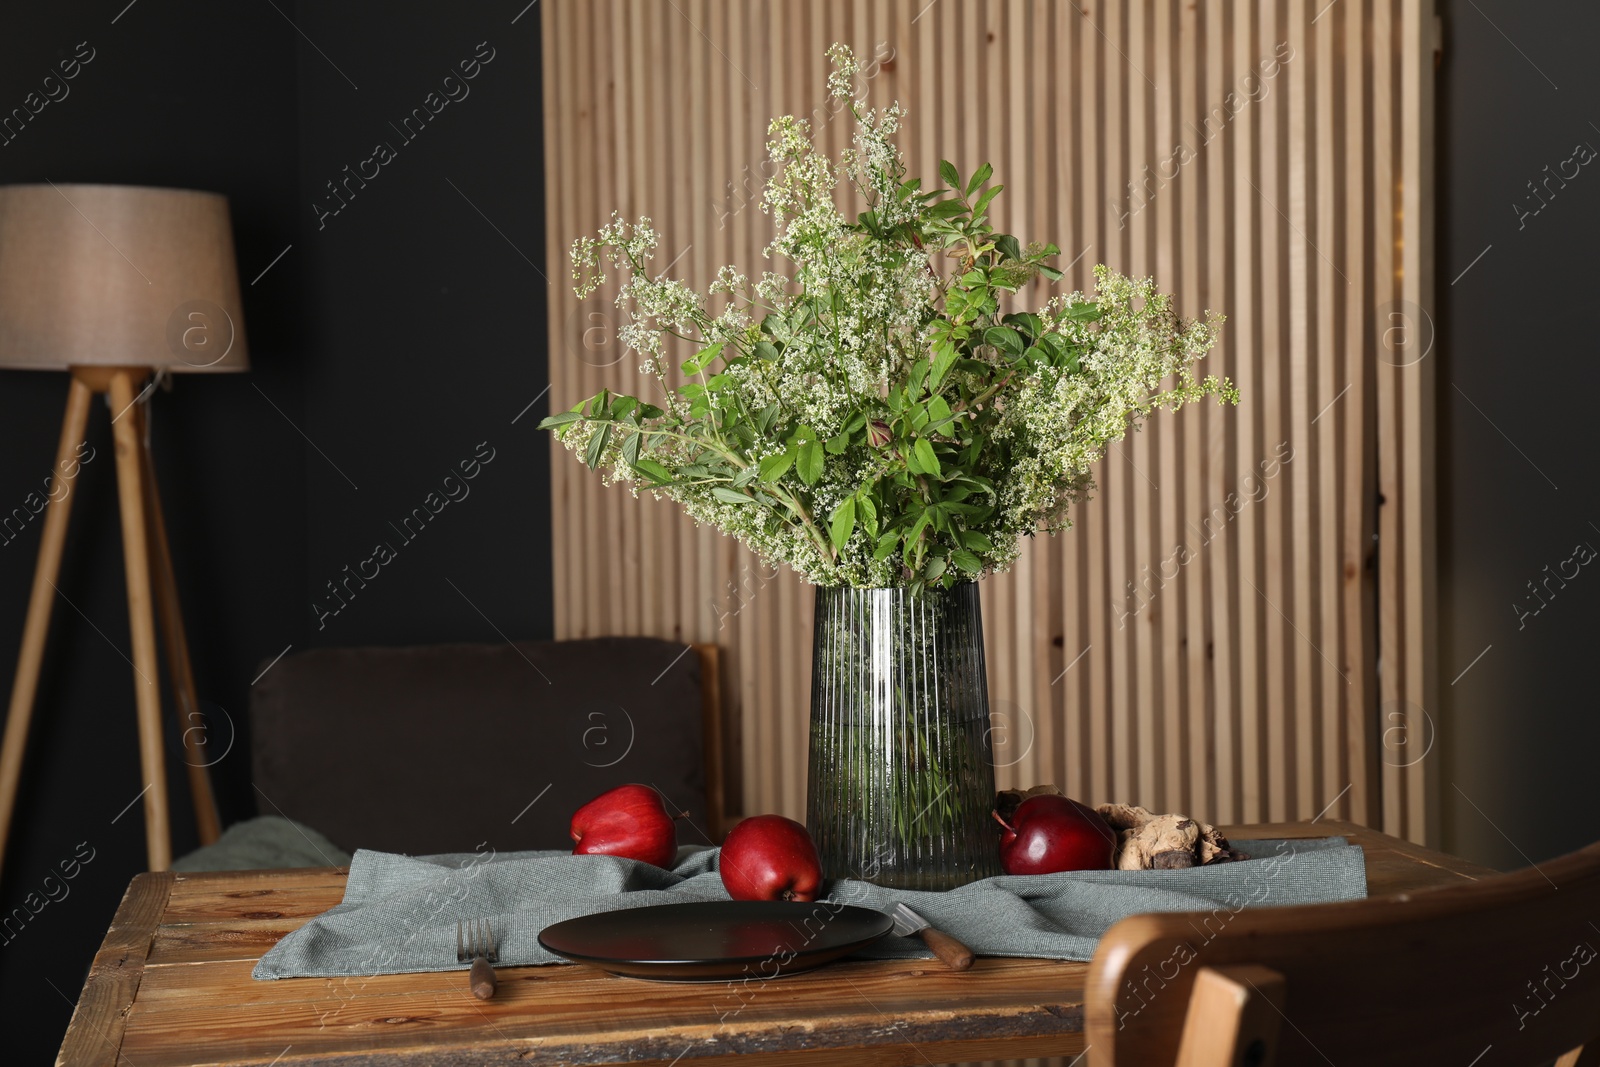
x=715 y=940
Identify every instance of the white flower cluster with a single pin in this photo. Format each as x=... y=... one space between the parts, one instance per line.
x=823 y=352
x=1058 y=425
x=841 y=83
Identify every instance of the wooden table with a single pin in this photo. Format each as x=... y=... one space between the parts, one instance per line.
x=171 y=986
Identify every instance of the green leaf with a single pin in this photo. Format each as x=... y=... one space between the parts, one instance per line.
x=838 y=443
x=983 y=201
x=979 y=176
x=745 y=476
x=809 y=462
x=944 y=357
x=886 y=546
x=976 y=541
x=597 y=446
x=916 y=375
x=869 y=515
x=948 y=174
x=944 y=209
x=935 y=568
x=955 y=304
x=552 y=421
x=1005 y=339
x=914 y=461
x=843 y=524
x=1050 y=272
x=702 y=359
x=1007 y=246
x=966 y=561
x=776 y=466
x=765 y=350
x=630 y=449
x=926 y=461
x=653 y=470
x=1026 y=323
x=916 y=532
x=1085 y=312
x=729 y=496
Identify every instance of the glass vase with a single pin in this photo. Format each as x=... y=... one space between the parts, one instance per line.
x=901 y=780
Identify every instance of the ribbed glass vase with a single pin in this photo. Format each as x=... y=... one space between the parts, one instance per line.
x=901 y=779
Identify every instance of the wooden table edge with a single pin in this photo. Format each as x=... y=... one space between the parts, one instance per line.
x=1368 y=837
x=100 y=1016
x=101 y=1013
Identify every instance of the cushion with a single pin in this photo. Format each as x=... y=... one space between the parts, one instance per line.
x=263 y=843
x=471 y=747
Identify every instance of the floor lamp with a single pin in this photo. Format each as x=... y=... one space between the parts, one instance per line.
x=116 y=285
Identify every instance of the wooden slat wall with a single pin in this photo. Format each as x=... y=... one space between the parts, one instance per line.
x=1242 y=685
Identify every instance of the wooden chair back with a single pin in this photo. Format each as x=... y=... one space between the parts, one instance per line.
x=1504 y=972
x=339 y=736
x=714 y=734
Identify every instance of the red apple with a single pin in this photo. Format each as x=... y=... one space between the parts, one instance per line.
x=1053 y=833
x=629 y=821
x=768 y=857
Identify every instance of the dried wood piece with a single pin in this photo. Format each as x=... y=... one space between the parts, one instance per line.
x=1147 y=841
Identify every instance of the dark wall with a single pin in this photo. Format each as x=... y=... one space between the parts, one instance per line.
x=389 y=343
x=426 y=296
x=1519 y=730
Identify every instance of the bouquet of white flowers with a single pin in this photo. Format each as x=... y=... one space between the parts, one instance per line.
x=874 y=417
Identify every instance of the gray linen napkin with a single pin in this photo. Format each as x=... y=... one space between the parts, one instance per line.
x=399 y=912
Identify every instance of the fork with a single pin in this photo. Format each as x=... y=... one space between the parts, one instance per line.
x=475 y=942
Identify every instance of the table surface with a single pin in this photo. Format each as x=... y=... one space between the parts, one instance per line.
x=171 y=986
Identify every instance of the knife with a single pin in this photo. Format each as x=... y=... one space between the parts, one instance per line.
x=907 y=923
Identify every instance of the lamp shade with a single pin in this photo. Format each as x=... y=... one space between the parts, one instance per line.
x=117 y=275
